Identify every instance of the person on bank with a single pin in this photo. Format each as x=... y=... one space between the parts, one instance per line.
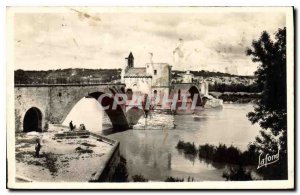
x=72 y=127
x=82 y=127
x=37 y=148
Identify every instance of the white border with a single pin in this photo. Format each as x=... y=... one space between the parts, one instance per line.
x=155 y=185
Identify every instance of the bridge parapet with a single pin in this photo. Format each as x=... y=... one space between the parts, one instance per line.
x=55 y=101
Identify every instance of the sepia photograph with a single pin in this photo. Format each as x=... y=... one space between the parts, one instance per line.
x=150 y=97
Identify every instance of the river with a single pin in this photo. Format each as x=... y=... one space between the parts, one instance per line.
x=151 y=150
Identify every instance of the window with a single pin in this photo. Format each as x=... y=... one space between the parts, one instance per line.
x=155 y=72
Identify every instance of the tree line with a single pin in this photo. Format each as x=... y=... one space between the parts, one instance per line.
x=238 y=87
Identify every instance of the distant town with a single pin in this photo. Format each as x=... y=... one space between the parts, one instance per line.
x=218 y=81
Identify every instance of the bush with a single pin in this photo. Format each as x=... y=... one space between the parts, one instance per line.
x=139 y=178
x=238 y=174
x=231 y=154
x=187 y=147
x=174 y=179
x=206 y=151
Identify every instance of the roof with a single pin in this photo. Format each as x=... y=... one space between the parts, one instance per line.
x=136 y=72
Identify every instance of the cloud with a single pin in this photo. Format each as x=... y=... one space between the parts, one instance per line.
x=102 y=40
x=93 y=20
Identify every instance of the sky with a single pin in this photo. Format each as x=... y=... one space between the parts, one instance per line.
x=77 y=38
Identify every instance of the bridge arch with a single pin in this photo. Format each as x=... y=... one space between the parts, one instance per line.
x=129 y=93
x=181 y=89
x=117 y=116
x=32 y=120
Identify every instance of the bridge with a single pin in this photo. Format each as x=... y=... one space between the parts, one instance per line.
x=188 y=88
x=37 y=105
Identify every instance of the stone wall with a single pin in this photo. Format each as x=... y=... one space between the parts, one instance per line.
x=105 y=173
x=26 y=98
x=54 y=102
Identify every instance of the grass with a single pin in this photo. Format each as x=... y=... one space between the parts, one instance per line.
x=174 y=179
x=35 y=162
x=50 y=162
x=46 y=160
x=26 y=140
x=20 y=156
x=88 y=145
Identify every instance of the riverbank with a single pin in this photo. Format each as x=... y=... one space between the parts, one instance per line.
x=240 y=166
x=236 y=97
x=65 y=156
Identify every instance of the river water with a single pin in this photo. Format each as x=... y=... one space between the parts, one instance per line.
x=151 y=150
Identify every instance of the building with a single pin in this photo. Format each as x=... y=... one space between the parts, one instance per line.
x=156 y=79
x=152 y=78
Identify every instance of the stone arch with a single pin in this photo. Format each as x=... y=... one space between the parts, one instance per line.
x=194 y=90
x=117 y=116
x=179 y=94
x=123 y=90
x=32 y=120
x=129 y=94
x=113 y=90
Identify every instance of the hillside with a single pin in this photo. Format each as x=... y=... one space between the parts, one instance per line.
x=217 y=81
x=63 y=76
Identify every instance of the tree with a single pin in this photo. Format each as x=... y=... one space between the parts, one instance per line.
x=271 y=109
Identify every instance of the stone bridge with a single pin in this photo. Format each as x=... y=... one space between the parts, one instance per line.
x=39 y=105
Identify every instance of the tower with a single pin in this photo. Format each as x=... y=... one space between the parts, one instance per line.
x=187 y=77
x=130 y=60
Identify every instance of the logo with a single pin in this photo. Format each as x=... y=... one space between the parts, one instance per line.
x=267 y=159
x=146 y=102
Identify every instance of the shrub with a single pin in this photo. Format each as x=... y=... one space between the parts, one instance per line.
x=187 y=147
x=238 y=174
x=174 y=179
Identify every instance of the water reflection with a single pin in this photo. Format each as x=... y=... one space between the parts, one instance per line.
x=152 y=152
x=190 y=157
x=214 y=164
x=150 y=149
